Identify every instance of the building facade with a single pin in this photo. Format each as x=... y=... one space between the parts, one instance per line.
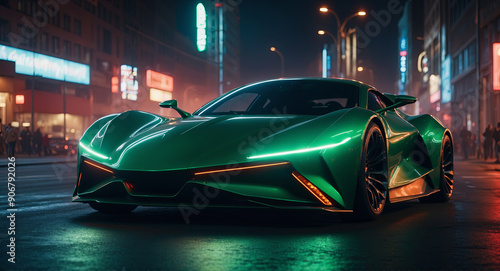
x=489 y=35
x=459 y=52
x=82 y=59
x=410 y=48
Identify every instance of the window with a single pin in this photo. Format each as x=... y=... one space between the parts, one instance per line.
x=21 y=5
x=117 y=21
x=78 y=27
x=56 y=19
x=55 y=45
x=4 y=30
x=295 y=97
x=117 y=47
x=67 y=48
x=22 y=40
x=45 y=41
x=77 y=51
x=106 y=41
x=472 y=54
x=460 y=63
x=66 y=22
x=374 y=103
x=86 y=57
x=238 y=104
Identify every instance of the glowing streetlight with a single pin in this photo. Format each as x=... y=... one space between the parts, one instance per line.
x=323 y=32
x=273 y=49
x=360 y=69
x=340 y=34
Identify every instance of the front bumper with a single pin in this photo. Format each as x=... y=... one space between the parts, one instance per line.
x=243 y=185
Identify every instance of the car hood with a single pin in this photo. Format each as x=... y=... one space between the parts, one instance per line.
x=207 y=141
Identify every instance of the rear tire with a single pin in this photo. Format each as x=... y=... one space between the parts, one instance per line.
x=371 y=189
x=446 y=179
x=111 y=208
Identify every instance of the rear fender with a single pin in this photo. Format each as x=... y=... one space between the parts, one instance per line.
x=432 y=132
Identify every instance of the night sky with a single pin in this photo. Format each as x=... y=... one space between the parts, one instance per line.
x=291 y=26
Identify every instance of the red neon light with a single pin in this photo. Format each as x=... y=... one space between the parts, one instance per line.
x=114 y=84
x=496 y=66
x=129 y=186
x=19 y=99
x=159 y=80
x=402 y=53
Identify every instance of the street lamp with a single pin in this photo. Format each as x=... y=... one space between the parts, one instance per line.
x=323 y=32
x=340 y=34
x=324 y=57
x=273 y=49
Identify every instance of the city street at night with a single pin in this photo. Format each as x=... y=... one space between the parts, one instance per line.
x=249 y=135
x=53 y=233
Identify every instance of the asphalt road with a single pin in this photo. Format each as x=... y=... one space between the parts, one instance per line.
x=53 y=233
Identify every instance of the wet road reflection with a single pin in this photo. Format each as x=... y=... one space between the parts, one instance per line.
x=461 y=234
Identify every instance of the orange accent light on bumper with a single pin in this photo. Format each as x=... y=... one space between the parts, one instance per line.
x=312 y=188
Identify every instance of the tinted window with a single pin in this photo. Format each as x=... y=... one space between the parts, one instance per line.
x=297 y=97
x=374 y=102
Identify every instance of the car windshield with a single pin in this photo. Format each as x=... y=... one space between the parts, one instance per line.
x=293 y=97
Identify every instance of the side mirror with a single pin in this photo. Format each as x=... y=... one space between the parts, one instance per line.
x=169 y=104
x=173 y=104
x=399 y=100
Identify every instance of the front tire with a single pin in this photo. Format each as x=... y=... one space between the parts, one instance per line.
x=111 y=208
x=371 y=189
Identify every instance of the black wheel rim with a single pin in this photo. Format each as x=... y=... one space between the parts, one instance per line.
x=376 y=172
x=447 y=185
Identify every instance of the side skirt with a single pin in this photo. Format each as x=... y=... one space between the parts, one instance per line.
x=417 y=189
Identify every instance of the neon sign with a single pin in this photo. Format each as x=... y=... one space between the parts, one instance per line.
x=446 y=80
x=19 y=99
x=201 y=26
x=128 y=82
x=159 y=80
x=496 y=66
x=30 y=63
x=158 y=95
x=402 y=60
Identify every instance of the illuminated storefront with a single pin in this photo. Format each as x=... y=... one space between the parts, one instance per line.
x=58 y=87
x=161 y=86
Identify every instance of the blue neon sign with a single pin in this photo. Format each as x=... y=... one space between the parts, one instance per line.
x=402 y=60
x=446 y=80
x=46 y=66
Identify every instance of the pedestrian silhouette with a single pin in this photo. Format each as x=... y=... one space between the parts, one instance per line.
x=488 y=142
x=465 y=137
x=496 y=137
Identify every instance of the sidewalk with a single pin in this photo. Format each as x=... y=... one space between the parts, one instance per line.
x=24 y=160
x=462 y=164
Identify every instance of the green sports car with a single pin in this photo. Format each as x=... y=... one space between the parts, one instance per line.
x=307 y=143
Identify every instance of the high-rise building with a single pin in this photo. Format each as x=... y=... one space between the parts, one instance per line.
x=410 y=48
x=93 y=58
x=460 y=51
